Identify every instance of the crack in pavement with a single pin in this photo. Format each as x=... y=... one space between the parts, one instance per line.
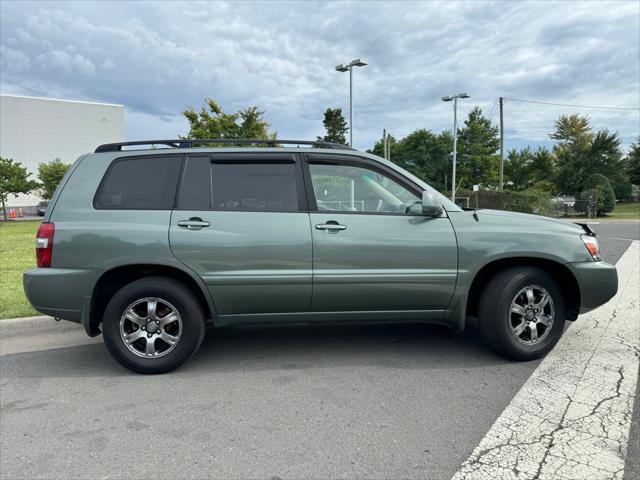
x=572 y=417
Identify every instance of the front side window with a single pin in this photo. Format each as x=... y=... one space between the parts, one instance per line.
x=349 y=188
x=268 y=186
x=145 y=183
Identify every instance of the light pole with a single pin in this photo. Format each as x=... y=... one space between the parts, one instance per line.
x=349 y=68
x=455 y=138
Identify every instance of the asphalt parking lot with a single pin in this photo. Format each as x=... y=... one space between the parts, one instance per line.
x=374 y=401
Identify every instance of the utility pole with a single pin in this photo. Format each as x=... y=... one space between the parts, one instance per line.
x=501 y=145
x=384 y=143
x=389 y=146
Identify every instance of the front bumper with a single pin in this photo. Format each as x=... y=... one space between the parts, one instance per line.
x=60 y=292
x=598 y=282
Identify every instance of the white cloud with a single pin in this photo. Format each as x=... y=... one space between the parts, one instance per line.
x=159 y=58
x=14 y=61
x=68 y=63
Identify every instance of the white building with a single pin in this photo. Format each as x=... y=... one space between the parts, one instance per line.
x=38 y=130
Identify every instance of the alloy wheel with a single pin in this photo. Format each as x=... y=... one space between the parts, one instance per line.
x=531 y=315
x=151 y=327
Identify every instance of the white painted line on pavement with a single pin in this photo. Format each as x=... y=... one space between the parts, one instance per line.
x=572 y=417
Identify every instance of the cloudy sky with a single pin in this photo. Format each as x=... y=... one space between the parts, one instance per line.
x=159 y=58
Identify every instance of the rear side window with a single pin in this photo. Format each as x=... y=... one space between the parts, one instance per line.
x=141 y=183
x=269 y=186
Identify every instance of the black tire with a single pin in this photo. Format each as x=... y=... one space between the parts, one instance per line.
x=496 y=322
x=176 y=295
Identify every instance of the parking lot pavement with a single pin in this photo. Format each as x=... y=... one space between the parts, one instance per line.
x=572 y=417
x=373 y=401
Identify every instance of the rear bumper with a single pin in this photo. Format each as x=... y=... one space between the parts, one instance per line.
x=598 y=283
x=61 y=292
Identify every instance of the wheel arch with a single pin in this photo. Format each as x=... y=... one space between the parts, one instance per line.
x=566 y=279
x=114 y=279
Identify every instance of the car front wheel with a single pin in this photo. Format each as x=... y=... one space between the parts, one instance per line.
x=521 y=313
x=153 y=325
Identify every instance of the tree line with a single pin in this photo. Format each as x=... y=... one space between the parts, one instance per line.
x=581 y=160
x=14 y=179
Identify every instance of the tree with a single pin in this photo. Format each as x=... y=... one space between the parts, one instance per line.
x=580 y=153
x=378 y=147
x=427 y=156
x=517 y=169
x=335 y=125
x=212 y=122
x=633 y=163
x=572 y=129
x=14 y=179
x=478 y=144
x=543 y=170
x=50 y=175
x=526 y=169
x=599 y=186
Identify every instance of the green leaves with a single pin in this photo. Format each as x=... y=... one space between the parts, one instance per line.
x=335 y=126
x=526 y=169
x=14 y=179
x=50 y=175
x=581 y=153
x=212 y=122
x=632 y=163
x=478 y=145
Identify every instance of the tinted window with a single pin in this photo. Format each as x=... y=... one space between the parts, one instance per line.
x=263 y=186
x=195 y=191
x=147 y=183
x=350 y=188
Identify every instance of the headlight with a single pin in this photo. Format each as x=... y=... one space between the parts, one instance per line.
x=591 y=243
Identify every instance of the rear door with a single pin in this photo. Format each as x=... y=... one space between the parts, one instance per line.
x=368 y=252
x=242 y=224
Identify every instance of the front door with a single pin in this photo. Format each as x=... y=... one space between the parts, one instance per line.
x=368 y=252
x=242 y=224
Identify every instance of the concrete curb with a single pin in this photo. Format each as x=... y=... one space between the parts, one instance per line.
x=30 y=323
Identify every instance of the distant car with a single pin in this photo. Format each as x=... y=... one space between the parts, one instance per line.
x=42 y=208
x=150 y=246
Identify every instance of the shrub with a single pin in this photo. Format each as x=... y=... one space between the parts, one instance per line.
x=528 y=201
x=598 y=189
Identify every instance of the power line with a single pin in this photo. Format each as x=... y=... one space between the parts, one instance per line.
x=493 y=109
x=570 y=105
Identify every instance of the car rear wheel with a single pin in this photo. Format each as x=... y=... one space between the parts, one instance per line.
x=153 y=325
x=521 y=313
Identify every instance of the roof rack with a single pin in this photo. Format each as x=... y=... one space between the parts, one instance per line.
x=191 y=142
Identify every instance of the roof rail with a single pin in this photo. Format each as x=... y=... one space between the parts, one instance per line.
x=191 y=142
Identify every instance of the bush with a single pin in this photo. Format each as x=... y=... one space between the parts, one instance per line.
x=528 y=201
x=597 y=189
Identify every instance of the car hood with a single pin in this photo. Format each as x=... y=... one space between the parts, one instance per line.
x=548 y=222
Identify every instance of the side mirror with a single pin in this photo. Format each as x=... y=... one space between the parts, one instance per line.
x=430 y=205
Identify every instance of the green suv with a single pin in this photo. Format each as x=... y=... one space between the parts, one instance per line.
x=149 y=246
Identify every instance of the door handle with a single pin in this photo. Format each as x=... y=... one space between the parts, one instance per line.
x=332 y=227
x=194 y=223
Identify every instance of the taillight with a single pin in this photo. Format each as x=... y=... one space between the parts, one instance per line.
x=44 y=244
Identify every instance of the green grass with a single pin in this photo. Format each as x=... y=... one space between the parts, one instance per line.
x=17 y=254
x=625 y=211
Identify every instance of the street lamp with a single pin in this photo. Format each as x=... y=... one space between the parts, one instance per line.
x=349 y=68
x=455 y=137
